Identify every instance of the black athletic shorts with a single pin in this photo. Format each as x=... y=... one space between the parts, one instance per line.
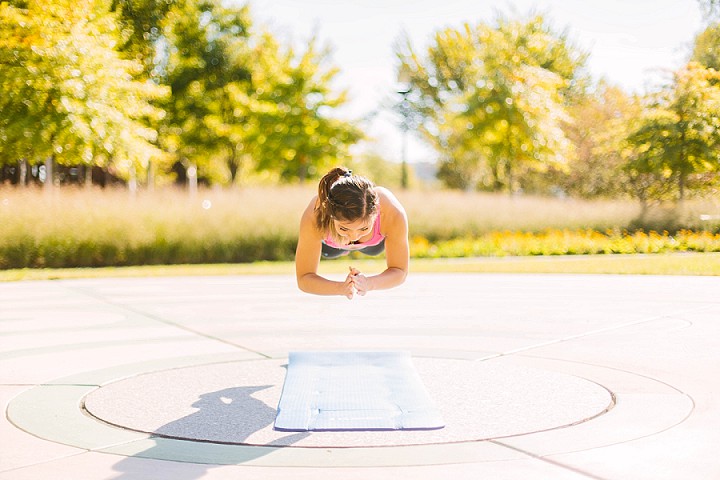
x=332 y=252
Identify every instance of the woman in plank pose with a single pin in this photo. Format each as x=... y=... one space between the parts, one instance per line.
x=351 y=213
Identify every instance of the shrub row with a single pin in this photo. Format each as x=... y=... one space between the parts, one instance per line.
x=566 y=242
x=28 y=252
x=52 y=252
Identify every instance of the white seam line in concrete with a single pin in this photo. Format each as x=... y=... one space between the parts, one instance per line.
x=547 y=460
x=592 y=332
x=43 y=462
x=166 y=322
x=680 y=392
x=83 y=452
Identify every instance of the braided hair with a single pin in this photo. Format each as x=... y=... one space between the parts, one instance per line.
x=344 y=196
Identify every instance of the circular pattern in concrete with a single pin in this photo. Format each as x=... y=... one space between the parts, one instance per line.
x=235 y=402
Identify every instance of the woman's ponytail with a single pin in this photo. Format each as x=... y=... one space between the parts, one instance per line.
x=323 y=209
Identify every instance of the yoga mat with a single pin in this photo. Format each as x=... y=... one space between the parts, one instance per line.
x=354 y=391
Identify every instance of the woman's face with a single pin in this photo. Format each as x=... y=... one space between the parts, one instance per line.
x=355 y=230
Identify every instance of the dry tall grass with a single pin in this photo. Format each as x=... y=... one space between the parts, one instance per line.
x=92 y=212
x=450 y=214
x=93 y=227
x=435 y=214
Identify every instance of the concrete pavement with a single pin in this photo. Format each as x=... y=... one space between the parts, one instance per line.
x=537 y=377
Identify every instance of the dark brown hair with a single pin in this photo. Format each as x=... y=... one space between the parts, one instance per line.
x=344 y=196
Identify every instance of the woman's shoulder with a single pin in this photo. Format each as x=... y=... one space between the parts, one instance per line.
x=309 y=216
x=390 y=206
x=310 y=208
x=387 y=198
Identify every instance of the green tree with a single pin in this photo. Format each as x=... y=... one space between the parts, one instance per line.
x=707 y=47
x=677 y=139
x=493 y=98
x=292 y=131
x=203 y=68
x=65 y=92
x=243 y=101
x=598 y=127
x=140 y=23
x=229 y=114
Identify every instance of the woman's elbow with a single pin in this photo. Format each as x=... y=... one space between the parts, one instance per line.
x=402 y=274
x=303 y=283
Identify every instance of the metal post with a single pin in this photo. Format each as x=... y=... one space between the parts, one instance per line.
x=404 y=110
x=403 y=165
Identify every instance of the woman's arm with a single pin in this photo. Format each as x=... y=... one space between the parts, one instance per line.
x=397 y=250
x=307 y=260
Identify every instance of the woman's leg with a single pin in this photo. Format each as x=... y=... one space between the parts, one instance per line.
x=375 y=249
x=332 y=252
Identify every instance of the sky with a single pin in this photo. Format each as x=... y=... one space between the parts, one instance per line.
x=630 y=42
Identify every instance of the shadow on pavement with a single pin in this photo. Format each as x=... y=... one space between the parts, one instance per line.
x=207 y=438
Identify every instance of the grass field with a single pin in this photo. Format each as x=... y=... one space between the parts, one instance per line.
x=657 y=264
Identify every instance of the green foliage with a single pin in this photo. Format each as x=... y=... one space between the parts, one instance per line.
x=492 y=99
x=566 y=242
x=676 y=140
x=242 y=101
x=707 y=47
x=599 y=122
x=205 y=61
x=131 y=85
x=240 y=247
x=292 y=132
x=137 y=86
x=68 y=253
x=67 y=93
x=140 y=25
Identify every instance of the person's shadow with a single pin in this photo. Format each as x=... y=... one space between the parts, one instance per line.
x=197 y=442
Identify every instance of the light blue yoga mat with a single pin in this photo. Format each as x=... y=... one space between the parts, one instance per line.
x=354 y=391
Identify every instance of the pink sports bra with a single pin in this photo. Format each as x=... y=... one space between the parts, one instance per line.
x=376 y=238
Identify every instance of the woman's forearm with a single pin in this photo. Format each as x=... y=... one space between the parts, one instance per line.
x=390 y=278
x=317 y=285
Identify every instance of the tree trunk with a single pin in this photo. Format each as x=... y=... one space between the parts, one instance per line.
x=233 y=166
x=22 y=172
x=49 y=173
x=495 y=169
x=150 y=176
x=132 y=181
x=403 y=161
x=510 y=180
x=302 y=170
x=87 y=183
x=192 y=179
x=682 y=178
